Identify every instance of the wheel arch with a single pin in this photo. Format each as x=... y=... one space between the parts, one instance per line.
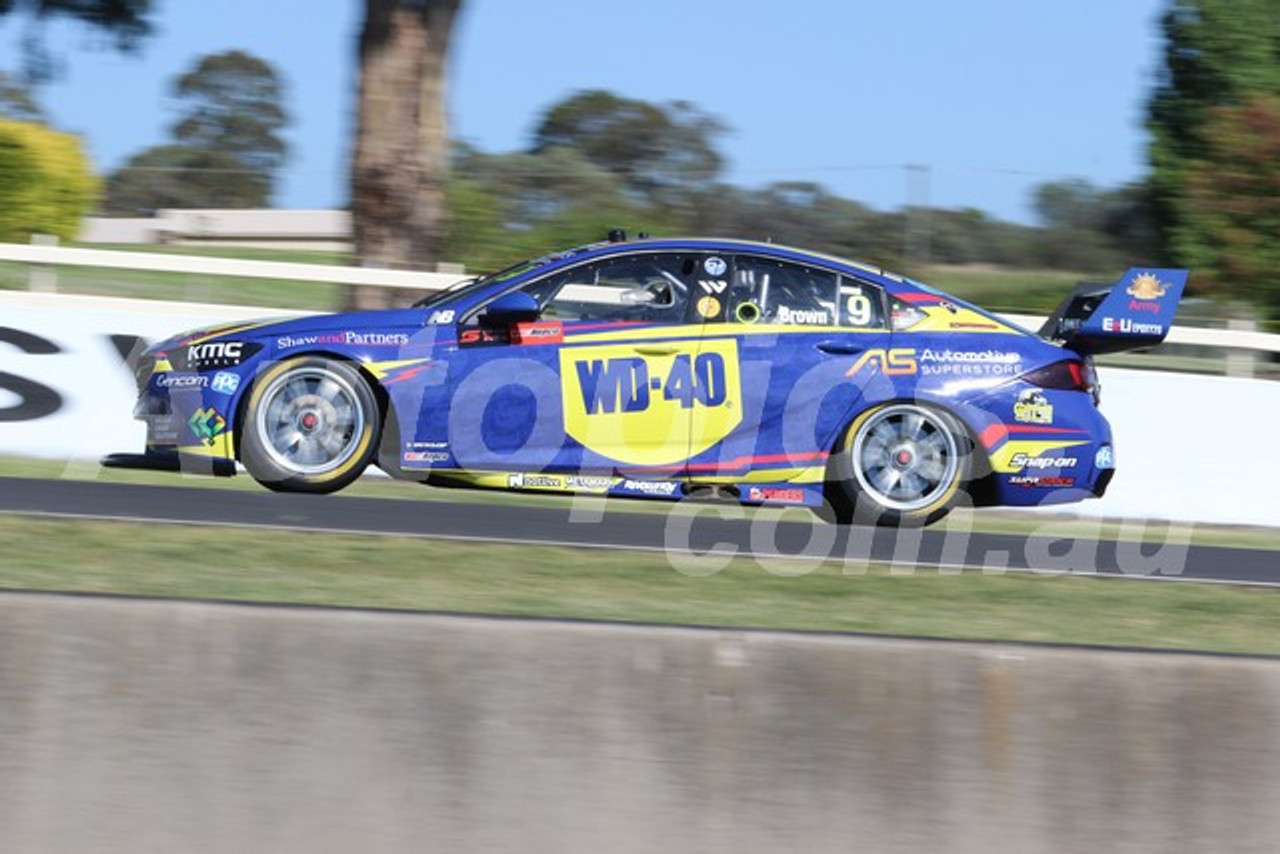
x=246 y=391
x=980 y=486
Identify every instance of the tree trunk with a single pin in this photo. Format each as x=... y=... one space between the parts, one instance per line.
x=402 y=145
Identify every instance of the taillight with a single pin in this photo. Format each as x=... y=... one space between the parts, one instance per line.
x=1068 y=375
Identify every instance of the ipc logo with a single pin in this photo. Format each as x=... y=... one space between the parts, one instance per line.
x=225 y=382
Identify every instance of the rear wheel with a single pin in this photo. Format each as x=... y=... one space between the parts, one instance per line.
x=900 y=464
x=310 y=425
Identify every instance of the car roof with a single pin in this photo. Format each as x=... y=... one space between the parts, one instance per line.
x=488 y=286
x=720 y=244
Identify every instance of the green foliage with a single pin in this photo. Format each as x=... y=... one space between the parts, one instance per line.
x=1208 y=117
x=126 y=21
x=46 y=184
x=657 y=151
x=17 y=101
x=233 y=105
x=1234 y=196
x=599 y=161
x=179 y=176
x=226 y=151
x=1088 y=228
x=503 y=207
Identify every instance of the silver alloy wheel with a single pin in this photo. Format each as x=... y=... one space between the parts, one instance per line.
x=310 y=420
x=905 y=457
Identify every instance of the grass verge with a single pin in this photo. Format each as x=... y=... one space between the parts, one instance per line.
x=403 y=573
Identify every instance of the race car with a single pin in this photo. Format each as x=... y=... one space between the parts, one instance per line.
x=667 y=369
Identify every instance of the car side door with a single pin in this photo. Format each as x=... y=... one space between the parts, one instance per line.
x=631 y=379
x=591 y=380
x=803 y=335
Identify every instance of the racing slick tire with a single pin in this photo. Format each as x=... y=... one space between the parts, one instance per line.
x=310 y=425
x=899 y=465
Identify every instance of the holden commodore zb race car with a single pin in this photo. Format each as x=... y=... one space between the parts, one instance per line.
x=667 y=368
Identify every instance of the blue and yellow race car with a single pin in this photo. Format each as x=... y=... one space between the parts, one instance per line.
x=667 y=368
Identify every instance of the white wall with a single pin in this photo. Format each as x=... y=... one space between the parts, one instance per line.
x=96 y=386
x=1187 y=447
x=1192 y=447
x=328 y=230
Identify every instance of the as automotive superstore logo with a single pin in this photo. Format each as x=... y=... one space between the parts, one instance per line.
x=970 y=362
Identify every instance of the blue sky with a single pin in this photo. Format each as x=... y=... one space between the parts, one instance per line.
x=994 y=96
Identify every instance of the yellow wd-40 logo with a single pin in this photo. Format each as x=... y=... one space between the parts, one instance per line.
x=651 y=404
x=899 y=360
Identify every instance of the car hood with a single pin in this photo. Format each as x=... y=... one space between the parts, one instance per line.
x=267 y=327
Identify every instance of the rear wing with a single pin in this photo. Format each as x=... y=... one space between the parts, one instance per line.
x=1135 y=312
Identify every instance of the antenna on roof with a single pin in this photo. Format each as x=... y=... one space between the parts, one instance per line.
x=617 y=235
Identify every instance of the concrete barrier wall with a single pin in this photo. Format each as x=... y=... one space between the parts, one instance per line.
x=135 y=726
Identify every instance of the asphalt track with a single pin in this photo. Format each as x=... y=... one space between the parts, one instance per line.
x=697 y=538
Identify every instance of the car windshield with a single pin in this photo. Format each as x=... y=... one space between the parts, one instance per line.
x=468 y=285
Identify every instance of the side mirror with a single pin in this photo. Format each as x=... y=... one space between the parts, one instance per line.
x=511 y=307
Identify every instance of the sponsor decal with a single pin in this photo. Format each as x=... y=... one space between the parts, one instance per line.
x=225 y=382
x=970 y=362
x=778 y=495
x=713 y=286
x=1021 y=461
x=475 y=337
x=708 y=306
x=1032 y=407
x=857 y=307
x=534 y=481
x=664 y=488
x=585 y=483
x=162 y=430
x=207 y=424
x=181 y=381
x=905 y=360
x=351 y=339
x=624 y=385
x=651 y=409
x=715 y=266
x=425 y=456
x=1041 y=482
x=969 y=357
x=801 y=316
x=1147 y=286
x=1105 y=458
x=960 y=324
x=443 y=315
x=218 y=354
x=1131 y=327
x=430 y=446
x=542 y=332
x=376 y=339
x=899 y=361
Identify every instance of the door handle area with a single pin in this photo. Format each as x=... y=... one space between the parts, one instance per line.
x=840 y=348
x=656 y=350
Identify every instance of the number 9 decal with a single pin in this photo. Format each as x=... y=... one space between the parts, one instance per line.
x=858 y=310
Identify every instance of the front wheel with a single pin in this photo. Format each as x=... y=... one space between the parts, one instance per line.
x=901 y=464
x=310 y=425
